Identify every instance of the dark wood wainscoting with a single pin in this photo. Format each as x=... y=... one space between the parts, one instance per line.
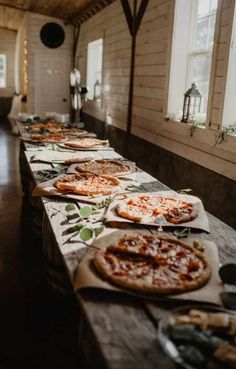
x=217 y=192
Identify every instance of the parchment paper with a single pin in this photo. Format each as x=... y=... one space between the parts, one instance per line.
x=88 y=277
x=200 y=222
x=53 y=156
x=47 y=189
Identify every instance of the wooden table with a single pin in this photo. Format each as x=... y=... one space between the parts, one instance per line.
x=116 y=330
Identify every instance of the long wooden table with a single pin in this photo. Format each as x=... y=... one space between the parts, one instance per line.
x=117 y=330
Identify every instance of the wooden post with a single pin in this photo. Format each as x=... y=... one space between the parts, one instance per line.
x=75 y=41
x=133 y=22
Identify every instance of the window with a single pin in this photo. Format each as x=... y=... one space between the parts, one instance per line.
x=94 y=69
x=229 y=113
x=193 y=37
x=2 y=71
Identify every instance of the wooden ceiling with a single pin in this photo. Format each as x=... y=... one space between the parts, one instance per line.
x=72 y=11
x=10 y=18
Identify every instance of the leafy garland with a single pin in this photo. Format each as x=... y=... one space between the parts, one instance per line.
x=220 y=136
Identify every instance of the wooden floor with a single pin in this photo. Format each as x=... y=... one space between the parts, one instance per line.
x=37 y=331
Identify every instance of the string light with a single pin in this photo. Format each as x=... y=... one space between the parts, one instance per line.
x=25 y=67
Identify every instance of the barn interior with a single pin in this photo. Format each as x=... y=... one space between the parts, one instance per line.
x=154 y=81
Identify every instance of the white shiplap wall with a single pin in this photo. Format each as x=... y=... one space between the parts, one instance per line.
x=36 y=49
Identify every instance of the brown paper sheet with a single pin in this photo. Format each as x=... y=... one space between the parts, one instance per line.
x=52 y=156
x=88 y=277
x=200 y=222
x=47 y=189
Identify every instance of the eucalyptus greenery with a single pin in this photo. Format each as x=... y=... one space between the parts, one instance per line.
x=47 y=174
x=182 y=233
x=192 y=128
x=223 y=132
x=86 y=222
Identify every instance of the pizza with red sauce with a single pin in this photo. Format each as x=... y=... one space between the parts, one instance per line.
x=152 y=264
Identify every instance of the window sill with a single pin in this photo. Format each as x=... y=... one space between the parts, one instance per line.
x=201 y=137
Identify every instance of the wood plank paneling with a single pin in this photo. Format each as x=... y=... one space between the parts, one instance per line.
x=10 y=18
x=69 y=10
x=111 y=24
x=151 y=77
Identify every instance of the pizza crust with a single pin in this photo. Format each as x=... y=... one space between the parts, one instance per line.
x=88 y=184
x=186 y=217
x=145 y=285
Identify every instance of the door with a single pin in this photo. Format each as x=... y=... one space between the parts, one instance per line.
x=52 y=85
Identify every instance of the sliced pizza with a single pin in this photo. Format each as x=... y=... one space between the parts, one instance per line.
x=87 y=143
x=148 y=208
x=88 y=184
x=152 y=264
x=48 y=138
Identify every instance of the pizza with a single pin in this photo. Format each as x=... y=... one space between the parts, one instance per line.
x=51 y=127
x=74 y=132
x=88 y=184
x=152 y=264
x=110 y=167
x=48 y=137
x=87 y=143
x=150 y=208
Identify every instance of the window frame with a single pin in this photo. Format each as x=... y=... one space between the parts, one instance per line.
x=202 y=141
x=191 y=52
x=93 y=101
x=4 y=71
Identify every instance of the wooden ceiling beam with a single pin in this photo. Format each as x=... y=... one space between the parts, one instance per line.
x=133 y=20
x=90 y=11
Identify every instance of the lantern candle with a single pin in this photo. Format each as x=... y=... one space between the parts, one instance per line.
x=192 y=104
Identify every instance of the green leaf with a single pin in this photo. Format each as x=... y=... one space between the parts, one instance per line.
x=98 y=230
x=162 y=234
x=85 y=211
x=86 y=234
x=70 y=207
x=182 y=233
x=72 y=216
x=74 y=229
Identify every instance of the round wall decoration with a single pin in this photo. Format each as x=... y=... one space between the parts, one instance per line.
x=52 y=35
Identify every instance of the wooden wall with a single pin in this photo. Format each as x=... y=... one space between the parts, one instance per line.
x=151 y=81
x=7 y=46
x=10 y=18
x=111 y=25
x=152 y=65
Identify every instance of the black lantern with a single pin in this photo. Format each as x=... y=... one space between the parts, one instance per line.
x=192 y=104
